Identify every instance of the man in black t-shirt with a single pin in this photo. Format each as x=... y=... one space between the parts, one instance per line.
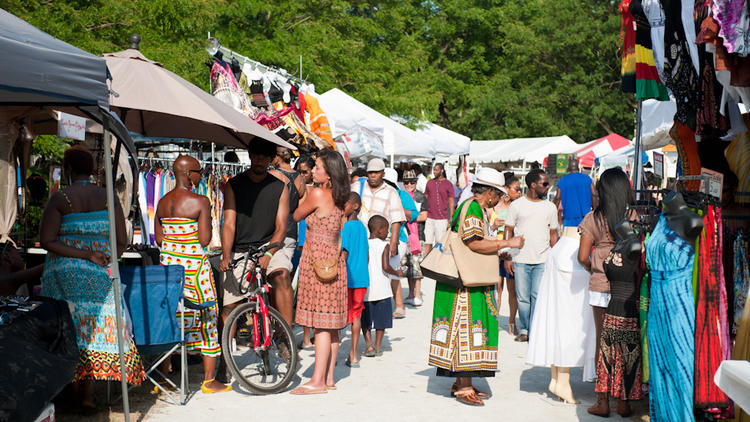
x=256 y=209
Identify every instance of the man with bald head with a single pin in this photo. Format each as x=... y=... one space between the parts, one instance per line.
x=182 y=228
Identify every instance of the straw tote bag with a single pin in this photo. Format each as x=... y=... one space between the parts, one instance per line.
x=474 y=268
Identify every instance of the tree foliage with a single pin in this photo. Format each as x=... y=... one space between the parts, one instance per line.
x=490 y=69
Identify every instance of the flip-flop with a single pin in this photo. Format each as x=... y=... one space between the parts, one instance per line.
x=400 y=313
x=469 y=398
x=304 y=390
x=331 y=387
x=207 y=390
x=481 y=394
x=351 y=364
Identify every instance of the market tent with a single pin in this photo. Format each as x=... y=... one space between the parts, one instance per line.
x=347 y=114
x=39 y=70
x=447 y=142
x=622 y=158
x=599 y=147
x=520 y=149
x=153 y=101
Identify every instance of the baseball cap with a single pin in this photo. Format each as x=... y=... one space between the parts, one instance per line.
x=376 y=164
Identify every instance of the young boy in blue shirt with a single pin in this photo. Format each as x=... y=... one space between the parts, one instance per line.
x=354 y=242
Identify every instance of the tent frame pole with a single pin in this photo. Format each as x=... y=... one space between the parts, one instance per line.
x=637 y=176
x=114 y=269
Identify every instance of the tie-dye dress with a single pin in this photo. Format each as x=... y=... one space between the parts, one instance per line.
x=180 y=246
x=671 y=325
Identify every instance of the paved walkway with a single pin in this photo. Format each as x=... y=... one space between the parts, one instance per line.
x=398 y=386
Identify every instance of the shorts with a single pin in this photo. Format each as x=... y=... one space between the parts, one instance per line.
x=504 y=273
x=411 y=262
x=395 y=261
x=434 y=230
x=599 y=299
x=378 y=315
x=356 y=303
x=282 y=259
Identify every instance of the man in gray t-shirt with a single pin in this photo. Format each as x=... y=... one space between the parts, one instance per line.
x=534 y=217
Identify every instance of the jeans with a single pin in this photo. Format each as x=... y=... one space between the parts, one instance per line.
x=528 y=278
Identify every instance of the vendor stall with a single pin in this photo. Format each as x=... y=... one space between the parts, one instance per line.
x=524 y=150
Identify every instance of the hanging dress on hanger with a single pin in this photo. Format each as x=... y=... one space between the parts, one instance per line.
x=671 y=325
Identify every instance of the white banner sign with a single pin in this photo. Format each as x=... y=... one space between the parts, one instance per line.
x=73 y=127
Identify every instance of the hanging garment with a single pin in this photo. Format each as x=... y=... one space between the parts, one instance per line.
x=647 y=81
x=143 y=206
x=150 y=201
x=710 y=123
x=563 y=324
x=618 y=370
x=671 y=325
x=689 y=163
x=741 y=277
x=742 y=352
x=318 y=121
x=688 y=26
x=229 y=91
x=733 y=18
x=655 y=16
x=708 y=336
x=627 y=36
x=679 y=74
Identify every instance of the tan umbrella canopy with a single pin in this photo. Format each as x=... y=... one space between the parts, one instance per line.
x=153 y=101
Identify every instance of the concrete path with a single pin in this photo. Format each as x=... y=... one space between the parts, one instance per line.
x=396 y=386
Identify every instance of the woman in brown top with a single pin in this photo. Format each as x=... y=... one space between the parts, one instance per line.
x=614 y=195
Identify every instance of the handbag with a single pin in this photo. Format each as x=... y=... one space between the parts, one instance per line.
x=439 y=264
x=326 y=269
x=474 y=268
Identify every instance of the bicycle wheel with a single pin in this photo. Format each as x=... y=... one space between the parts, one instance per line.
x=264 y=371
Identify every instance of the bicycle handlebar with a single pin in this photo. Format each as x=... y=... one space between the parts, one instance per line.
x=254 y=254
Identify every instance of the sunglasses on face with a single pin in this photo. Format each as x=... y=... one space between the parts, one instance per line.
x=304 y=171
x=410 y=182
x=202 y=172
x=545 y=184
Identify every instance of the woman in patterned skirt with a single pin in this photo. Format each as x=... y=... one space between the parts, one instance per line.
x=323 y=305
x=463 y=342
x=182 y=228
x=75 y=233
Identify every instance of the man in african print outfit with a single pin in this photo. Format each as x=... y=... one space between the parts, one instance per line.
x=183 y=229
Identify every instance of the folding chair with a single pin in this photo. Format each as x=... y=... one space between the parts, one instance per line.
x=153 y=295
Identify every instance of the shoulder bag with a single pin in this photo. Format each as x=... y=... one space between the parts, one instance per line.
x=327 y=269
x=474 y=268
x=439 y=264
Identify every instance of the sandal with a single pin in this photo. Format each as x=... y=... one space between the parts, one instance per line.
x=370 y=352
x=351 y=364
x=469 y=397
x=481 y=394
x=400 y=313
x=304 y=390
x=207 y=390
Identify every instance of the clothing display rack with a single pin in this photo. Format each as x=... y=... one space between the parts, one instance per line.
x=238 y=167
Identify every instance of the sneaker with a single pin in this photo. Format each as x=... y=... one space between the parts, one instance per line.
x=417 y=301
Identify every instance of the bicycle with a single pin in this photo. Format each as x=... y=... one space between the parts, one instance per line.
x=258 y=344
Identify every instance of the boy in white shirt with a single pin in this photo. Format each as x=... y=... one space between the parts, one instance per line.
x=377 y=313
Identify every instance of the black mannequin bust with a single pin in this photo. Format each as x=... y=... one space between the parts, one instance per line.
x=627 y=241
x=680 y=218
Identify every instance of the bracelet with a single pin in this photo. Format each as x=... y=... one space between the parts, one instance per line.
x=270 y=255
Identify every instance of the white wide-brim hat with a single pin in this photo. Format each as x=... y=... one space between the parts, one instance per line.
x=490 y=177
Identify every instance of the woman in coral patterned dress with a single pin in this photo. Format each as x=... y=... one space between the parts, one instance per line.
x=322 y=305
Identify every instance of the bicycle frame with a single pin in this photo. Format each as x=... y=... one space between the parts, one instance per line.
x=258 y=295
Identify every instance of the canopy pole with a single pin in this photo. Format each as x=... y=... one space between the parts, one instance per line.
x=114 y=270
x=637 y=159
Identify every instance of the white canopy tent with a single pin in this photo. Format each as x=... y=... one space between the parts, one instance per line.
x=447 y=142
x=347 y=113
x=527 y=150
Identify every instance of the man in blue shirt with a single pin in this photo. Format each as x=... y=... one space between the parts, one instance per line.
x=576 y=192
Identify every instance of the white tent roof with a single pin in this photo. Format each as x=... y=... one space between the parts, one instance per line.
x=520 y=149
x=447 y=142
x=347 y=113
